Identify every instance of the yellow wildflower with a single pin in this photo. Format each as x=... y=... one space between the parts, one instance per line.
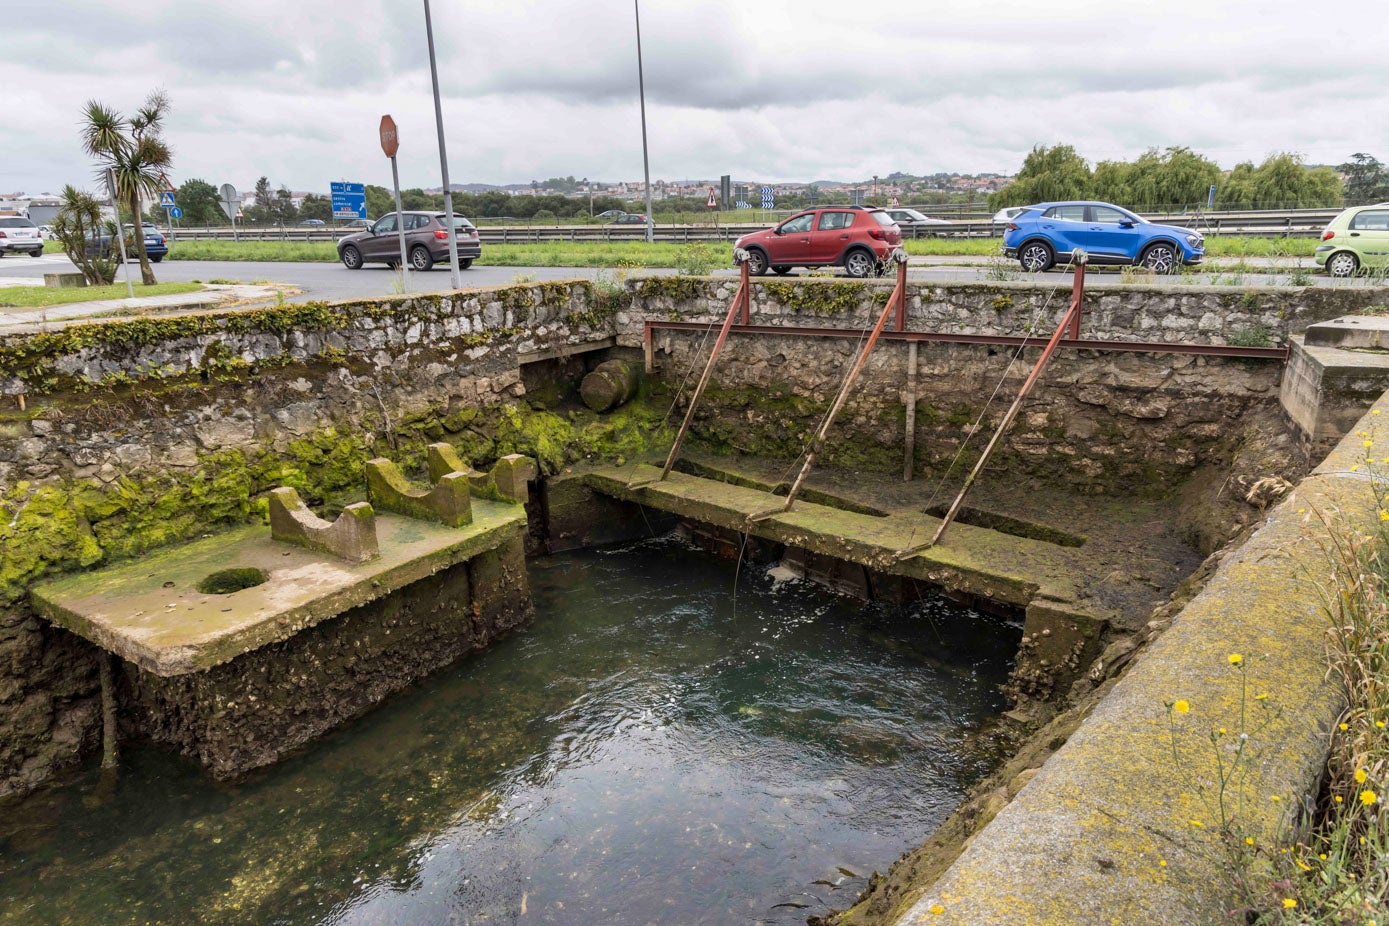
x=1289 y=903
x=1275 y=798
x=1345 y=727
x=1181 y=707
x=1236 y=659
x=1360 y=776
x=1368 y=797
x=1198 y=823
x=1261 y=697
x=1380 y=724
x=937 y=909
x=1162 y=863
x=1338 y=798
x=1369 y=443
x=1249 y=840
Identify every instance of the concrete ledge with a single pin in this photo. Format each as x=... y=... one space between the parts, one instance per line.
x=151 y=613
x=1085 y=840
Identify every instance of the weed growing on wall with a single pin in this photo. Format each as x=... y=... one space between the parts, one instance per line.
x=696 y=259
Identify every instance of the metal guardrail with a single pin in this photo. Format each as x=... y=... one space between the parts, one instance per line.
x=1263 y=224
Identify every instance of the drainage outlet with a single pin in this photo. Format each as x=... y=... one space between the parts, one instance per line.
x=226 y=581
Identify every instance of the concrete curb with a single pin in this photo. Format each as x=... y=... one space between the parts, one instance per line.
x=1104 y=832
x=212 y=297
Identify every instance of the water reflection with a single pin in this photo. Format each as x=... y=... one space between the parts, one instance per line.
x=656 y=748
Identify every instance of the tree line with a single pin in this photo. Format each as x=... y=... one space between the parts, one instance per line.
x=1178 y=178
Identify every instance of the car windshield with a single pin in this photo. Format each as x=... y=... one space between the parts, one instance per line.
x=882 y=218
x=913 y=215
x=15 y=223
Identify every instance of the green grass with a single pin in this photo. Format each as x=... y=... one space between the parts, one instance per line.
x=38 y=297
x=639 y=254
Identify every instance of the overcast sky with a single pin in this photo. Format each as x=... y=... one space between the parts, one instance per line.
x=763 y=89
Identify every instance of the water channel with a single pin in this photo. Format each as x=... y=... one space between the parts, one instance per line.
x=661 y=746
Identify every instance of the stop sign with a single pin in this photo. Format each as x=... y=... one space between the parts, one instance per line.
x=389 y=142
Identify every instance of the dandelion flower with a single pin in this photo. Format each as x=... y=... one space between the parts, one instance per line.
x=1380 y=724
x=1289 y=903
x=937 y=909
x=1354 y=467
x=1181 y=707
x=1275 y=798
x=1374 y=411
x=1261 y=697
x=1249 y=840
x=1360 y=776
x=1162 y=863
x=1236 y=659
x=1338 y=798
x=1198 y=823
x=1345 y=727
x=1368 y=798
x=1383 y=515
x=1322 y=856
x=1369 y=443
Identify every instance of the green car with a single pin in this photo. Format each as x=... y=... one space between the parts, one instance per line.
x=1357 y=239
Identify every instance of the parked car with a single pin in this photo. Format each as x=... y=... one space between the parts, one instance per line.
x=100 y=244
x=630 y=218
x=46 y=231
x=906 y=218
x=19 y=235
x=1004 y=216
x=426 y=241
x=1047 y=233
x=610 y=214
x=314 y=222
x=1357 y=239
x=857 y=238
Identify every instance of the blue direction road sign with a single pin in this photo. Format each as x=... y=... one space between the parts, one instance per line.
x=349 y=200
x=175 y=212
x=166 y=200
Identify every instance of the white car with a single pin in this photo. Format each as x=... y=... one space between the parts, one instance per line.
x=1007 y=215
x=909 y=217
x=18 y=234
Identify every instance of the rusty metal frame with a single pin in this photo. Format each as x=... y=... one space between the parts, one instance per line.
x=993 y=340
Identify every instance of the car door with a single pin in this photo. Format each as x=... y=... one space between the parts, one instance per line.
x=830 y=237
x=1105 y=236
x=1369 y=234
x=1062 y=225
x=381 y=241
x=791 y=242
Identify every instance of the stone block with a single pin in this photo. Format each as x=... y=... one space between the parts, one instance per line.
x=512 y=475
x=351 y=537
x=449 y=501
x=64 y=279
x=443 y=459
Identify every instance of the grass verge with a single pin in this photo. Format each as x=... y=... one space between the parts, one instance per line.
x=38 y=297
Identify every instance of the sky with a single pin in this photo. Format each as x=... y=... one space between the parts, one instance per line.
x=765 y=90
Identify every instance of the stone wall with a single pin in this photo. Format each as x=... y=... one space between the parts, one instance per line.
x=1101 y=421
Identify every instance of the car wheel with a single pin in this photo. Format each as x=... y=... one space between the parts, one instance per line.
x=1342 y=264
x=351 y=258
x=781 y=269
x=465 y=263
x=859 y=263
x=1036 y=256
x=757 y=262
x=155 y=260
x=1160 y=258
x=421 y=259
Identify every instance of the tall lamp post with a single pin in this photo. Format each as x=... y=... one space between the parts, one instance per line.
x=443 y=155
x=588 y=186
x=641 y=89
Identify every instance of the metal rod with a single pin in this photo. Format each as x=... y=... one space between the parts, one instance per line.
x=120 y=238
x=899 y=292
x=909 y=437
x=1140 y=347
x=110 y=748
x=1072 y=316
x=641 y=88
x=443 y=154
x=400 y=229
x=733 y=309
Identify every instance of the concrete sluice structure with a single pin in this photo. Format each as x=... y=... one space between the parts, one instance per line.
x=139 y=458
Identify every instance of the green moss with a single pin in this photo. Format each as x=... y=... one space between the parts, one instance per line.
x=826 y=297
x=679 y=288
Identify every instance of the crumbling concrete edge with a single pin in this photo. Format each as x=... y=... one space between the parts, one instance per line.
x=1114 y=828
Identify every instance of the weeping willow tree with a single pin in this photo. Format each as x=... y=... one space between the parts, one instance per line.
x=135 y=151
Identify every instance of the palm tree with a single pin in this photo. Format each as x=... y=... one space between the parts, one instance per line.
x=136 y=151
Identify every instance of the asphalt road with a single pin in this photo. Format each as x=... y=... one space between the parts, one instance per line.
x=321 y=280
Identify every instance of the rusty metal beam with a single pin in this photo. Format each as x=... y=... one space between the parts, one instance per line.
x=998 y=340
x=741 y=301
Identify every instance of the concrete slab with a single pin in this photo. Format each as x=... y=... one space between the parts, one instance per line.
x=1326 y=389
x=150 y=612
x=1017 y=571
x=1366 y=332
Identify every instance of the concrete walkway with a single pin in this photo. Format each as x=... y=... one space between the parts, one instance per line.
x=20 y=318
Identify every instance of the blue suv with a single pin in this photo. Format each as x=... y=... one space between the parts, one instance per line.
x=1048 y=233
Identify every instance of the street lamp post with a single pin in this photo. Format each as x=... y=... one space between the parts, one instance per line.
x=641 y=89
x=588 y=186
x=443 y=155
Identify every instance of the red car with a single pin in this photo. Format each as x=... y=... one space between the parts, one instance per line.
x=857 y=238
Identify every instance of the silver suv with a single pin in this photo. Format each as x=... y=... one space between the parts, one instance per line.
x=426 y=242
x=19 y=234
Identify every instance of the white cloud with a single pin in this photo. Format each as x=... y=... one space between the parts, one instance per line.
x=769 y=90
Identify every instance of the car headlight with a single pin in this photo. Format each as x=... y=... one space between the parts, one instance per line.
x=1196 y=241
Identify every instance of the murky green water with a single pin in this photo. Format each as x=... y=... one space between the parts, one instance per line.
x=655 y=749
